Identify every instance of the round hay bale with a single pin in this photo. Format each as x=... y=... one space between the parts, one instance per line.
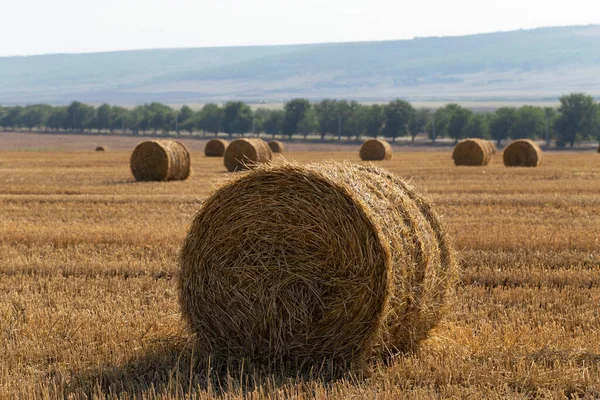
x=266 y=275
x=276 y=146
x=493 y=146
x=599 y=148
x=244 y=154
x=215 y=148
x=101 y=148
x=160 y=160
x=375 y=150
x=472 y=152
x=522 y=153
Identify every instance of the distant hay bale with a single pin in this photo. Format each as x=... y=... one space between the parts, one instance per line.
x=276 y=146
x=215 y=148
x=522 y=153
x=266 y=275
x=101 y=148
x=244 y=154
x=472 y=152
x=375 y=150
x=160 y=160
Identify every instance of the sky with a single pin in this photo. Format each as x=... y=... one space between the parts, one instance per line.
x=81 y=26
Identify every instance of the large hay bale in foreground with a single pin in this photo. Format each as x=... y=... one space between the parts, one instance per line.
x=375 y=150
x=472 y=152
x=599 y=148
x=215 y=148
x=101 y=148
x=276 y=146
x=302 y=264
x=244 y=154
x=522 y=153
x=160 y=160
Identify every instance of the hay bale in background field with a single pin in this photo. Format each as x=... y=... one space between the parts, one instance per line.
x=522 y=153
x=243 y=154
x=276 y=146
x=375 y=150
x=267 y=275
x=472 y=152
x=215 y=148
x=101 y=148
x=160 y=160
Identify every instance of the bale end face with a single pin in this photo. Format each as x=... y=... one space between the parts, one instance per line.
x=272 y=278
x=215 y=148
x=242 y=154
x=522 y=153
x=375 y=150
x=276 y=146
x=160 y=160
x=472 y=153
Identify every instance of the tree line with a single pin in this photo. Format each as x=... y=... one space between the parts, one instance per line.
x=577 y=118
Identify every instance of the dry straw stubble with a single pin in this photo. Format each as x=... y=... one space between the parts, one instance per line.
x=522 y=153
x=473 y=152
x=276 y=146
x=375 y=150
x=215 y=148
x=300 y=264
x=244 y=154
x=160 y=160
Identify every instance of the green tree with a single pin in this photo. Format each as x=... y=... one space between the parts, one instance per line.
x=295 y=110
x=398 y=114
x=529 y=123
x=185 y=120
x=578 y=118
x=13 y=118
x=273 y=123
x=502 y=123
x=478 y=126
x=80 y=116
x=58 y=119
x=237 y=118
x=374 y=120
x=309 y=123
x=104 y=117
x=419 y=122
x=459 y=123
x=209 y=118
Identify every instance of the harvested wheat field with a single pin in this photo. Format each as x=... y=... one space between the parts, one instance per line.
x=89 y=269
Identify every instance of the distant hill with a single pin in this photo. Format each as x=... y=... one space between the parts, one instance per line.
x=526 y=65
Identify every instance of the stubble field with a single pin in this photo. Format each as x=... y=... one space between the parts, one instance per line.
x=88 y=300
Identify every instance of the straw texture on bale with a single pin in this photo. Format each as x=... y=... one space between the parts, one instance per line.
x=599 y=148
x=276 y=146
x=493 y=146
x=472 y=152
x=303 y=264
x=375 y=150
x=100 y=148
x=522 y=153
x=244 y=154
x=215 y=148
x=160 y=160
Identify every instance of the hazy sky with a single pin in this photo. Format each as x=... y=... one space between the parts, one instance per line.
x=73 y=26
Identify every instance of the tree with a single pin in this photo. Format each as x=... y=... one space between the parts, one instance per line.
x=478 y=127
x=374 y=120
x=418 y=123
x=237 y=118
x=273 y=122
x=459 y=122
x=295 y=110
x=578 y=118
x=529 y=123
x=398 y=114
x=13 y=118
x=501 y=124
x=209 y=118
x=80 y=116
x=309 y=123
x=441 y=121
x=57 y=119
x=185 y=118
x=104 y=117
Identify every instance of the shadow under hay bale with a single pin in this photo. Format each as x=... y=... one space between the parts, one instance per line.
x=101 y=148
x=215 y=148
x=244 y=154
x=303 y=265
x=276 y=146
x=375 y=150
x=522 y=153
x=472 y=152
x=160 y=160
